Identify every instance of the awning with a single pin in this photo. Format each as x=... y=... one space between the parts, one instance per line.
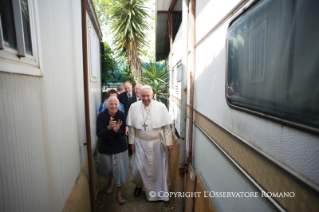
x=163 y=9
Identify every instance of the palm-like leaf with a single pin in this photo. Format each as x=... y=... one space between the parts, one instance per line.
x=129 y=28
x=156 y=76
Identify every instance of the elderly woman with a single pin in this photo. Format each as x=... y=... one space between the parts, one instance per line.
x=111 y=92
x=112 y=161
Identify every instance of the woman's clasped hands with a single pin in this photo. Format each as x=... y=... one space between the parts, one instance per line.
x=115 y=125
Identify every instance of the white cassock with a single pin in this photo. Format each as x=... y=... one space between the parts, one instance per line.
x=149 y=130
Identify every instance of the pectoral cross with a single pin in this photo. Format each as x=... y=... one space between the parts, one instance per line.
x=144 y=125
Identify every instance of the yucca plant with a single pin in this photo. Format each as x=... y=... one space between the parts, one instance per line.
x=129 y=27
x=156 y=76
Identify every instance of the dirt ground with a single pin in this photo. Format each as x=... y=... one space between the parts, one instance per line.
x=107 y=203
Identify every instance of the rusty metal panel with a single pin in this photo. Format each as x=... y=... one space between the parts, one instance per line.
x=202 y=203
x=190 y=187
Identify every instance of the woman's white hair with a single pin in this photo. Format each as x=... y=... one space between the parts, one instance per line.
x=112 y=97
x=146 y=87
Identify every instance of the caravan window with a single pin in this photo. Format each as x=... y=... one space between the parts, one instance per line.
x=17 y=37
x=272 y=61
x=94 y=49
x=15 y=26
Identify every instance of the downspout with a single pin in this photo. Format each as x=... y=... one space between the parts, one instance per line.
x=191 y=93
x=183 y=115
x=86 y=104
x=191 y=82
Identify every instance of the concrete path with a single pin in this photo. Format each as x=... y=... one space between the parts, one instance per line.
x=107 y=203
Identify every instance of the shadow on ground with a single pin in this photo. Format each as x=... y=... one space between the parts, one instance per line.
x=107 y=203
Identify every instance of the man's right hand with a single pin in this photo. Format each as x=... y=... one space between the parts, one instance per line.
x=133 y=147
x=126 y=131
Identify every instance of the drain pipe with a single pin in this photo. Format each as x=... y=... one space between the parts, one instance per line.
x=191 y=82
x=87 y=106
x=183 y=115
x=191 y=94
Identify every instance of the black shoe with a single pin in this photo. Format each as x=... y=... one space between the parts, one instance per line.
x=137 y=191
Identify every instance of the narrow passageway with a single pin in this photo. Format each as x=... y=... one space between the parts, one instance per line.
x=107 y=203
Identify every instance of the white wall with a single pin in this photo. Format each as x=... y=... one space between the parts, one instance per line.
x=94 y=82
x=24 y=171
x=42 y=124
x=209 y=13
x=177 y=47
x=286 y=145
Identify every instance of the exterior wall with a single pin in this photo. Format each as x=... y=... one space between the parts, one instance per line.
x=220 y=175
x=213 y=11
x=42 y=124
x=177 y=46
x=95 y=83
x=290 y=149
x=79 y=198
x=175 y=109
x=285 y=144
x=25 y=173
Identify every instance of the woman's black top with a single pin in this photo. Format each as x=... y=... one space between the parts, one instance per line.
x=110 y=141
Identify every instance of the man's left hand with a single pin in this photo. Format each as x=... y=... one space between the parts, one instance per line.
x=169 y=149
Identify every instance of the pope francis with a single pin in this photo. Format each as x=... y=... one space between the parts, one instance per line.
x=150 y=136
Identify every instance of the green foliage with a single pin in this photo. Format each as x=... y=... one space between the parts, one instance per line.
x=102 y=12
x=109 y=65
x=156 y=76
x=113 y=72
x=129 y=27
x=103 y=9
x=126 y=72
x=129 y=21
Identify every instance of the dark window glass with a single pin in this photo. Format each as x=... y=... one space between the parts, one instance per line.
x=26 y=26
x=9 y=33
x=273 y=60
